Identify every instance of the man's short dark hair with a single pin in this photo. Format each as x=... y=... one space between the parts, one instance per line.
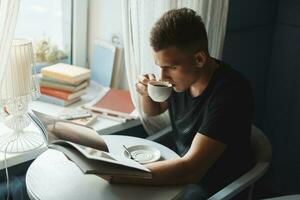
x=181 y=28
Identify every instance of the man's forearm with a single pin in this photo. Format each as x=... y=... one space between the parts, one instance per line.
x=169 y=172
x=150 y=107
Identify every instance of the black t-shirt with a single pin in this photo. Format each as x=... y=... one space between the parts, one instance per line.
x=222 y=112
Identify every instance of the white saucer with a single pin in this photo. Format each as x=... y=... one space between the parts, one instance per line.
x=143 y=153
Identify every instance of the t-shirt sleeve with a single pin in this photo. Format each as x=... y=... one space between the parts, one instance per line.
x=228 y=111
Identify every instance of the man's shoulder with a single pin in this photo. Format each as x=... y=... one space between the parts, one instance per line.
x=230 y=77
x=230 y=84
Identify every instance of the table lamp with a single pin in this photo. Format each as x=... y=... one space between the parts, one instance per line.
x=19 y=87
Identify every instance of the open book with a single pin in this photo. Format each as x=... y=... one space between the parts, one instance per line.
x=86 y=148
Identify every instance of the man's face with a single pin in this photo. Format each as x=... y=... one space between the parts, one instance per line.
x=177 y=67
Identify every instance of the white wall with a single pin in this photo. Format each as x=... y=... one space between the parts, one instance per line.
x=105 y=21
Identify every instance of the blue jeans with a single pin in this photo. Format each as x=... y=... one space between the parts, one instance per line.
x=17 y=188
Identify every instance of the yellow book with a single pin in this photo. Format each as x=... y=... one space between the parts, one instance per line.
x=65 y=72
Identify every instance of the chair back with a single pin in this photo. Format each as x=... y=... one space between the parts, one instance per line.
x=261 y=149
x=261 y=152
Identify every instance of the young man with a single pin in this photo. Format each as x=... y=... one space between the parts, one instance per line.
x=210 y=107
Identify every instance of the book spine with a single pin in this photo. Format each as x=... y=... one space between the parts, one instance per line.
x=64 y=77
x=55 y=93
x=53 y=80
x=52 y=100
x=58 y=76
x=57 y=101
x=58 y=86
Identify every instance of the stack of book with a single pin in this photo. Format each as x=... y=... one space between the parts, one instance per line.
x=63 y=84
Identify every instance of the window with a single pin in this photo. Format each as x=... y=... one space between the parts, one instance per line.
x=48 y=24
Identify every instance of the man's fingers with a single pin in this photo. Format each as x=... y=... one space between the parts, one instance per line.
x=151 y=76
x=144 y=79
x=141 y=88
x=141 y=85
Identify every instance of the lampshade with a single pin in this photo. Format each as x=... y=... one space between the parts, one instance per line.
x=18 y=80
x=19 y=87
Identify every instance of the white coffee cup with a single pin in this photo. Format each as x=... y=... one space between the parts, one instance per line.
x=159 y=91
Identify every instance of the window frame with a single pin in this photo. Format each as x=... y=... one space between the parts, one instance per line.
x=79 y=32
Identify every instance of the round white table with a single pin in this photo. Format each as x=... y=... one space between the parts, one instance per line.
x=52 y=176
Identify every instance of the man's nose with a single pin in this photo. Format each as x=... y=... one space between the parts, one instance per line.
x=163 y=74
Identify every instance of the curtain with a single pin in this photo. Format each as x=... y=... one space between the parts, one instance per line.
x=138 y=18
x=8 y=18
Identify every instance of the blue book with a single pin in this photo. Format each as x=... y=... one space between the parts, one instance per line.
x=102 y=63
x=57 y=101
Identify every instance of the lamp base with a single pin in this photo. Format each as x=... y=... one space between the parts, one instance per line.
x=21 y=141
x=17 y=122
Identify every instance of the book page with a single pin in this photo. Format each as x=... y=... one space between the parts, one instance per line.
x=87 y=149
x=103 y=156
x=100 y=166
x=66 y=130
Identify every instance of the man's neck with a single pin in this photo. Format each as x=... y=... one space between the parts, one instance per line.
x=206 y=74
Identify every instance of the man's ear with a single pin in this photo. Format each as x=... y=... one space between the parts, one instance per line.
x=200 y=58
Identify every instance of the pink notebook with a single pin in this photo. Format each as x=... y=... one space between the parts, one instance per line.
x=115 y=102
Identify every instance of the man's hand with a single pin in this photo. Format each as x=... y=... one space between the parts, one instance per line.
x=150 y=107
x=107 y=178
x=142 y=84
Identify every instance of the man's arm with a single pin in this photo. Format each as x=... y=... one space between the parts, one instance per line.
x=151 y=108
x=189 y=169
